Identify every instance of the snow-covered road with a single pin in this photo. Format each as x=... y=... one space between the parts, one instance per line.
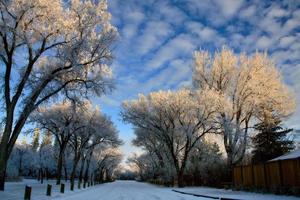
x=128 y=190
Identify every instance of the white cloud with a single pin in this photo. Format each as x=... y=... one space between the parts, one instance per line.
x=248 y=12
x=155 y=33
x=182 y=45
x=291 y=24
x=286 y=41
x=264 y=42
x=229 y=7
x=169 y=13
x=204 y=32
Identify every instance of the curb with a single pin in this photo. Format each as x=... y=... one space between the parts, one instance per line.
x=205 y=196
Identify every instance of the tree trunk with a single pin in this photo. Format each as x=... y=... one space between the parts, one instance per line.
x=86 y=175
x=42 y=176
x=4 y=151
x=72 y=179
x=20 y=166
x=47 y=174
x=81 y=172
x=3 y=163
x=180 y=178
x=66 y=172
x=59 y=166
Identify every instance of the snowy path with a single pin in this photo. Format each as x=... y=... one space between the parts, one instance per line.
x=128 y=190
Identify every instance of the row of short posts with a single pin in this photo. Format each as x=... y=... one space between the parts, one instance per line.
x=27 y=195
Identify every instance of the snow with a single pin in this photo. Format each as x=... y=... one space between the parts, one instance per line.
x=213 y=192
x=15 y=190
x=291 y=155
x=127 y=190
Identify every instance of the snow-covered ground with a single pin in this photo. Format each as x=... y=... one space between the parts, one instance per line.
x=127 y=190
x=213 y=192
x=15 y=190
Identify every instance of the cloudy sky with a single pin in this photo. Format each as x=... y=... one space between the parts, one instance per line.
x=158 y=37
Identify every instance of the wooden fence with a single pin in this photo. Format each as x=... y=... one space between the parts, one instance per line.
x=281 y=173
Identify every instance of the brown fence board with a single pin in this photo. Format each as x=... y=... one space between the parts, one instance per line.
x=259 y=175
x=269 y=175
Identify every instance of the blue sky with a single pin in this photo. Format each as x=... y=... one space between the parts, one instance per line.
x=158 y=37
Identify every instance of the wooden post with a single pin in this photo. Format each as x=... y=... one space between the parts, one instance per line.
x=27 y=194
x=88 y=183
x=79 y=184
x=62 y=188
x=84 y=184
x=49 y=190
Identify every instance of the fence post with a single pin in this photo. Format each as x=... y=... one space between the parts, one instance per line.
x=84 y=184
x=49 y=190
x=88 y=183
x=27 y=194
x=62 y=188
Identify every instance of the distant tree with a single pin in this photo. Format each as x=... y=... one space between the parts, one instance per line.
x=107 y=162
x=36 y=140
x=47 y=139
x=57 y=119
x=271 y=141
x=20 y=152
x=46 y=158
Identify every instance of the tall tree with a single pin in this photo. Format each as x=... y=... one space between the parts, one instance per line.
x=65 y=48
x=271 y=140
x=245 y=85
x=176 y=119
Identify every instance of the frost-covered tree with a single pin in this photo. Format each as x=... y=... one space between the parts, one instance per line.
x=144 y=164
x=47 y=139
x=91 y=129
x=154 y=147
x=107 y=162
x=49 y=48
x=176 y=119
x=245 y=86
x=46 y=157
x=36 y=140
x=59 y=120
x=18 y=163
